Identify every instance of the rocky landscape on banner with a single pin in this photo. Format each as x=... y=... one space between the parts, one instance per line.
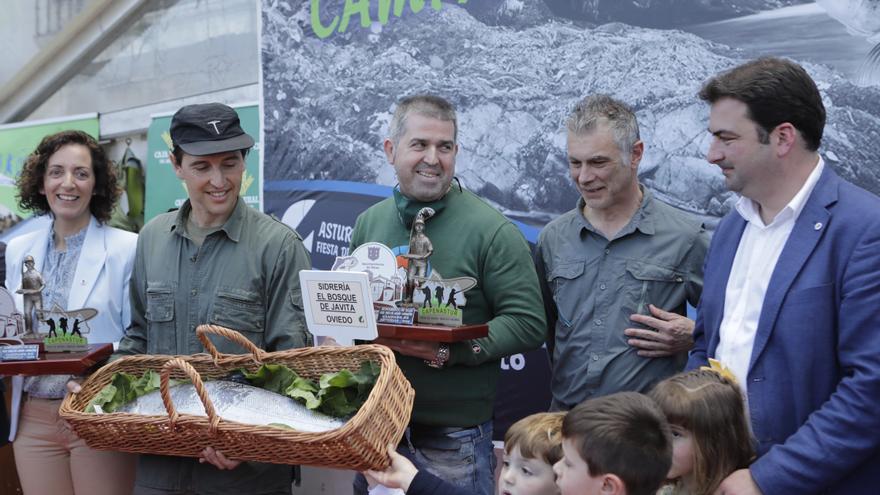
x=661 y=13
x=327 y=102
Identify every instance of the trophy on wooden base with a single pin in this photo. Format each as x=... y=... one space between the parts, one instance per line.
x=31 y=291
x=412 y=300
x=44 y=342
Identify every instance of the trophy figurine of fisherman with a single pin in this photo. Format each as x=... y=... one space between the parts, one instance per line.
x=32 y=293
x=420 y=249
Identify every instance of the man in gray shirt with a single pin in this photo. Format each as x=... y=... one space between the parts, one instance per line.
x=620 y=259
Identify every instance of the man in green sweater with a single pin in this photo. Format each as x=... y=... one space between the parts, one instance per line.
x=450 y=432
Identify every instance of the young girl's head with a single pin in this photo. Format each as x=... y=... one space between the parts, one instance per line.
x=531 y=447
x=710 y=432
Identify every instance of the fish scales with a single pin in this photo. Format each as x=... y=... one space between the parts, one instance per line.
x=237 y=402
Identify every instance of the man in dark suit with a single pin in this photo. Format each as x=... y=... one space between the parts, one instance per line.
x=791 y=302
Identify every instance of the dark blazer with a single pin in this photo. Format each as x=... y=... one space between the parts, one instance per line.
x=814 y=374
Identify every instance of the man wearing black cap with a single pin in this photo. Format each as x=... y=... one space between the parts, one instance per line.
x=215 y=261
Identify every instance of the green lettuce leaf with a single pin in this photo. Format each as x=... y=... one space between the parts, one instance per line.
x=102 y=398
x=124 y=388
x=272 y=377
x=343 y=393
x=337 y=394
x=309 y=399
x=339 y=402
x=340 y=379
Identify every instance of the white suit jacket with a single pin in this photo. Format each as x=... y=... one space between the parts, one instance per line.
x=101 y=281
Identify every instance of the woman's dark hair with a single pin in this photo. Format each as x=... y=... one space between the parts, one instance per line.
x=34 y=172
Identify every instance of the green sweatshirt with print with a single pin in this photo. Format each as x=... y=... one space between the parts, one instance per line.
x=470 y=239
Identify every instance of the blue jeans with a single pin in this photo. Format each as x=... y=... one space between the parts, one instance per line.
x=465 y=457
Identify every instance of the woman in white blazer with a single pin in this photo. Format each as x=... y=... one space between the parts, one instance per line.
x=84 y=264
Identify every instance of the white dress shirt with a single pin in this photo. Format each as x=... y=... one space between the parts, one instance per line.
x=756 y=256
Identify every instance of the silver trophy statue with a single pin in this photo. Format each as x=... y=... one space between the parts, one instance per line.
x=420 y=250
x=32 y=293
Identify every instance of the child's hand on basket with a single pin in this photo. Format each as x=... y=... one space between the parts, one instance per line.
x=217 y=459
x=399 y=474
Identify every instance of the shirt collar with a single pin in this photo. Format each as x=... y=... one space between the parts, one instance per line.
x=749 y=210
x=642 y=220
x=232 y=227
x=72 y=242
x=408 y=208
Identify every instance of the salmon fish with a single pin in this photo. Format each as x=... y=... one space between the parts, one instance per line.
x=237 y=402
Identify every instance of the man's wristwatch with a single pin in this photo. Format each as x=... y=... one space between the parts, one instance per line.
x=441 y=358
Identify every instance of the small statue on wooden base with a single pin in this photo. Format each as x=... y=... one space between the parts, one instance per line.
x=420 y=249
x=32 y=293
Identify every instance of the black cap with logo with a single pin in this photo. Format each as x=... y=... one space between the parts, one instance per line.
x=208 y=128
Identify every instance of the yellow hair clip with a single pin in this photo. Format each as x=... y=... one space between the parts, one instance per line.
x=716 y=366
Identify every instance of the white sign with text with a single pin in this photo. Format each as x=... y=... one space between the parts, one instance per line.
x=338 y=305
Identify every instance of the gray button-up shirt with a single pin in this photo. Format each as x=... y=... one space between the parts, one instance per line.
x=593 y=285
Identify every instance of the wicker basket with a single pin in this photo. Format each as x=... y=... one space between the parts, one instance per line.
x=360 y=444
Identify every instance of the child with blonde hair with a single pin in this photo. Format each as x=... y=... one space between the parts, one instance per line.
x=531 y=447
x=710 y=431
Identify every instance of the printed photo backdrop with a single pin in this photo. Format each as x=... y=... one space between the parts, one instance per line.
x=332 y=70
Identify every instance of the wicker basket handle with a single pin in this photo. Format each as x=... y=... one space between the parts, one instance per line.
x=193 y=375
x=203 y=331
